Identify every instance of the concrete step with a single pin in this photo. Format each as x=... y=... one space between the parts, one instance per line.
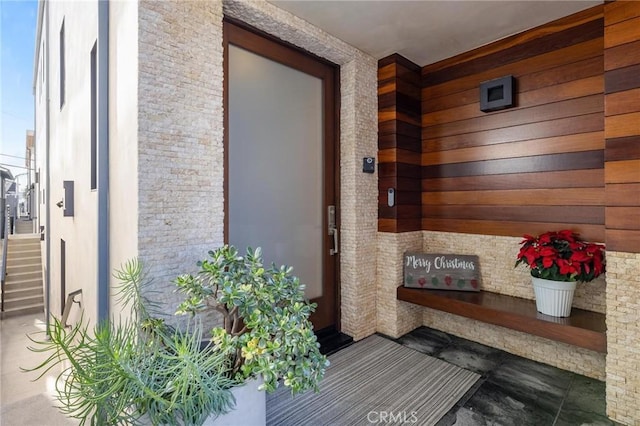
x=19 y=293
x=23 y=302
x=25 y=310
x=15 y=267
x=23 y=284
x=21 y=276
x=23 y=242
x=24 y=256
x=23 y=248
x=23 y=252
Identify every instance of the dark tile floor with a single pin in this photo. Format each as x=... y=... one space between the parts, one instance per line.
x=512 y=391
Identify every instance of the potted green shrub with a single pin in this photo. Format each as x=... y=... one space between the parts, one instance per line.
x=140 y=370
x=557 y=261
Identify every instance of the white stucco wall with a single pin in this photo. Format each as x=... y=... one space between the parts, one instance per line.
x=123 y=137
x=70 y=153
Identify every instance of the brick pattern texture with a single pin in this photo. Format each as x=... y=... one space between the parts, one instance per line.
x=395 y=317
x=623 y=337
x=558 y=354
x=497 y=256
x=181 y=142
x=180 y=139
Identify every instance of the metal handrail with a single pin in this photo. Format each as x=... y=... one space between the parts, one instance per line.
x=71 y=299
x=5 y=245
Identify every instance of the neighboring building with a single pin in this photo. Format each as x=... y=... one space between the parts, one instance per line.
x=31 y=195
x=144 y=150
x=5 y=177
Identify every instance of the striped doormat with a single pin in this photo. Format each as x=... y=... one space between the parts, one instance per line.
x=375 y=381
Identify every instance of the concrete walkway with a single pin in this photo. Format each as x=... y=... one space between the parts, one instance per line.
x=23 y=400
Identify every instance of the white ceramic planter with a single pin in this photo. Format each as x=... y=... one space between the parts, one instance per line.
x=250 y=409
x=553 y=297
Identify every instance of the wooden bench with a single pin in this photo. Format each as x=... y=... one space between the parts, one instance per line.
x=585 y=329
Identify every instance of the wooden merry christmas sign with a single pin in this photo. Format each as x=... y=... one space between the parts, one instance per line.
x=442 y=271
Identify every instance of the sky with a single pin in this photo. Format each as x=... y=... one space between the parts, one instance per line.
x=17 y=35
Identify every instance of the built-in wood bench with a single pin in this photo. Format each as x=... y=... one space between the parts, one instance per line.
x=585 y=329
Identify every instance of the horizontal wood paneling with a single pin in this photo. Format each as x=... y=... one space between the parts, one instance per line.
x=398 y=169
x=537 y=163
x=576 y=19
x=623 y=194
x=400 y=183
x=399 y=147
x=627 y=171
x=467 y=226
x=564 y=126
x=619 y=126
x=402 y=198
x=559 y=92
x=585 y=214
x=547 y=43
x=622 y=102
x=549 y=111
x=621 y=149
x=524 y=197
x=391 y=155
x=623 y=32
x=619 y=11
x=579 y=52
x=561 y=144
x=622 y=56
x=620 y=79
x=395 y=225
x=623 y=240
x=622 y=125
x=395 y=140
x=561 y=179
x=623 y=218
x=508 y=172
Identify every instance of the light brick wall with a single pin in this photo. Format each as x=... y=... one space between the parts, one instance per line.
x=180 y=138
x=561 y=355
x=395 y=317
x=497 y=257
x=181 y=142
x=623 y=337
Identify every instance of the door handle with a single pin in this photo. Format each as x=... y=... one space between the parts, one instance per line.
x=333 y=251
x=333 y=229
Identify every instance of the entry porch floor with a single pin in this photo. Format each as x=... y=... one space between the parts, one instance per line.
x=511 y=391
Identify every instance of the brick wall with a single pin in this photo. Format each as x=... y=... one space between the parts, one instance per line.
x=497 y=257
x=181 y=142
x=394 y=317
x=180 y=136
x=623 y=337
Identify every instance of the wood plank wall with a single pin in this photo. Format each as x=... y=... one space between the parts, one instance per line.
x=399 y=163
x=532 y=168
x=622 y=125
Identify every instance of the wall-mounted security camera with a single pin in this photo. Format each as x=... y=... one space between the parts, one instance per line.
x=60 y=203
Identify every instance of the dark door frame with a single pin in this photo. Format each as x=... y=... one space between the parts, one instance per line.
x=270 y=47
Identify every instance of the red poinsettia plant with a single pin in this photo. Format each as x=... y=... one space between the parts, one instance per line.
x=562 y=256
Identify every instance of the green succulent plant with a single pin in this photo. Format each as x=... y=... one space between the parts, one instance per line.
x=266 y=328
x=123 y=369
